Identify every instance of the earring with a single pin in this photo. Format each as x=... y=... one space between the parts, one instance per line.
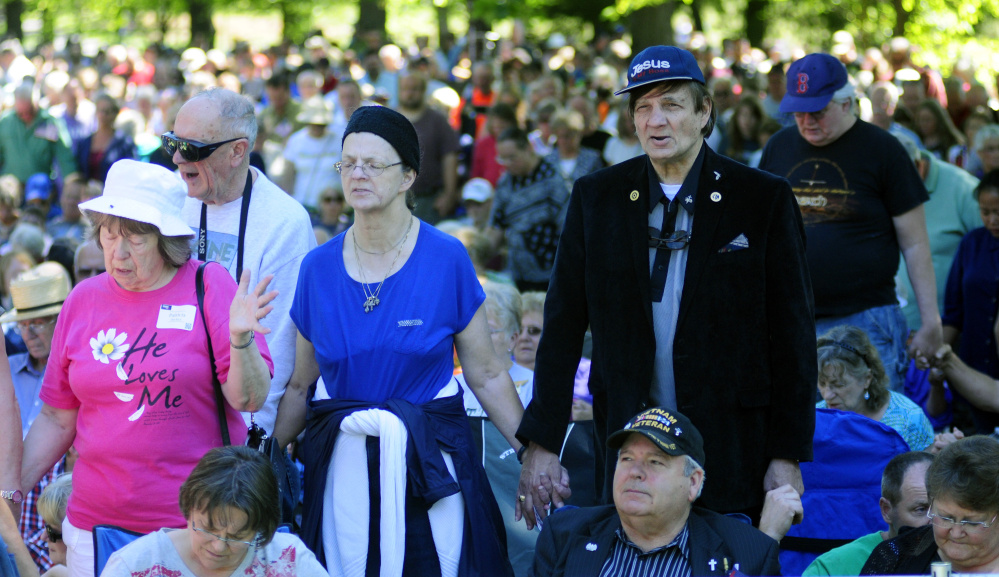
x=867 y=395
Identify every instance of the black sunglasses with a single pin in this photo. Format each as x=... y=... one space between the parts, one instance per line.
x=52 y=534
x=674 y=241
x=191 y=150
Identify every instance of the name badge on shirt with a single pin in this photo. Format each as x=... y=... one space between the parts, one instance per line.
x=176 y=317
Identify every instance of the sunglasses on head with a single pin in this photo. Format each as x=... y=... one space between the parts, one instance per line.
x=191 y=150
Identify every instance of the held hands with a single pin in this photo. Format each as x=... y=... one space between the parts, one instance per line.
x=781 y=473
x=781 y=509
x=248 y=308
x=544 y=483
x=927 y=340
x=945 y=438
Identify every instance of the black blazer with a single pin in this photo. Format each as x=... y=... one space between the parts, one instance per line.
x=744 y=351
x=578 y=542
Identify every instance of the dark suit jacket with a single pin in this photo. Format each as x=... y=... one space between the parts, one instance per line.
x=578 y=542
x=744 y=351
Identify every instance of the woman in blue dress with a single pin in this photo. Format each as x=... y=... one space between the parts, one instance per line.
x=392 y=484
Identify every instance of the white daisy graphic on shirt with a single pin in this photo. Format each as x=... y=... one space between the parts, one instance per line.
x=108 y=347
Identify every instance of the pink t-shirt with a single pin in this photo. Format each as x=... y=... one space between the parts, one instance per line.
x=136 y=365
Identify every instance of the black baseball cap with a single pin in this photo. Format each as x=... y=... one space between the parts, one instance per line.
x=668 y=430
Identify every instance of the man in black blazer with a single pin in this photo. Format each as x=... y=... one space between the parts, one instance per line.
x=701 y=303
x=652 y=528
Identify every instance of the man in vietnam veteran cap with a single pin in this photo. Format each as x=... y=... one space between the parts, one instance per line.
x=653 y=522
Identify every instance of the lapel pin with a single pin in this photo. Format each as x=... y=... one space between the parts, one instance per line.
x=715 y=197
x=688 y=199
x=634 y=195
x=717 y=175
x=712 y=563
x=591 y=546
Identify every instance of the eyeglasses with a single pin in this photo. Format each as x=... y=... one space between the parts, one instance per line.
x=53 y=535
x=532 y=331
x=819 y=115
x=34 y=326
x=332 y=199
x=369 y=169
x=191 y=150
x=676 y=240
x=225 y=540
x=970 y=527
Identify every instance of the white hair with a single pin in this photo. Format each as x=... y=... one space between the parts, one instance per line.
x=235 y=112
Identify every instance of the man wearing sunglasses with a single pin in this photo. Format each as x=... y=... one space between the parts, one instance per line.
x=241 y=219
x=689 y=269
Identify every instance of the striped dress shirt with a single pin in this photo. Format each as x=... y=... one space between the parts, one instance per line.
x=627 y=560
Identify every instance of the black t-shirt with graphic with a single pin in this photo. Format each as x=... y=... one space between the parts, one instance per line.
x=848 y=191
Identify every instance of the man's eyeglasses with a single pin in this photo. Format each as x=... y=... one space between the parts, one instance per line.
x=191 y=150
x=970 y=527
x=52 y=535
x=34 y=326
x=676 y=240
x=818 y=115
x=369 y=169
x=225 y=540
x=331 y=199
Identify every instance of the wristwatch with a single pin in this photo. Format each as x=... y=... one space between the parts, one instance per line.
x=14 y=496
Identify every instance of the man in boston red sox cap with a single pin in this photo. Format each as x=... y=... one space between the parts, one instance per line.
x=690 y=270
x=862 y=203
x=653 y=528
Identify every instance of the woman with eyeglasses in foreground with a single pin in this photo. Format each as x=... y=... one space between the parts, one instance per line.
x=964 y=504
x=379 y=310
x=231 y=505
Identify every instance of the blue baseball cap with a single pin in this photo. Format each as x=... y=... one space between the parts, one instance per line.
x=659 y=64
x=38 y=187
x=811 y=83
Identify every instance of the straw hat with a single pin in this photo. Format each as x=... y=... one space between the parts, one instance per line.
x=315 y=111
x=143 y=192
x=38 y=292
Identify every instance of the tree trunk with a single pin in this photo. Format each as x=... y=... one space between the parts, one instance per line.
x=695 y=16
x=756 y=22
x=371 y=17
x=13 y=9
x=652 y=25
x=48 y=25
x=295 y=16
x=202 y=28
x=442 y=30
x=901 y=17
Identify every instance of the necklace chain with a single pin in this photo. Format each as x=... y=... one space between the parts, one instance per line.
x=386 y=251
x=371 y=299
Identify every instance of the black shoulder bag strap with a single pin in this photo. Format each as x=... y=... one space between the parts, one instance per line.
x=219 y=399
x=244 y=210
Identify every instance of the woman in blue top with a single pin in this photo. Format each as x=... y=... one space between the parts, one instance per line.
x=392 y=484
x=969 y=315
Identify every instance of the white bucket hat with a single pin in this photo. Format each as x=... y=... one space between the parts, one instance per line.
x=143 y=192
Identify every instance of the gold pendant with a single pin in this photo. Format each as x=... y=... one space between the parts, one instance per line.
x=371 y=302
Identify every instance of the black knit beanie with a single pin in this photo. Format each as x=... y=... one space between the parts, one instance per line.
x=395 y=128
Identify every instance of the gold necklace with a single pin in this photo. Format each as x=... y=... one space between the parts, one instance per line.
x=371 y=296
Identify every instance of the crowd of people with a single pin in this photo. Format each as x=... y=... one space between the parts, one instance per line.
x=508 y=308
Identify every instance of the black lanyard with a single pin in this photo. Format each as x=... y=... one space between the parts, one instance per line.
x=243 y=211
